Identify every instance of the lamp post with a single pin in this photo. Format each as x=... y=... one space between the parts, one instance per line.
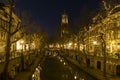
x=94 y=53
x=95 y=44
x=22 y=42
x=22 y=56
x=104 y=54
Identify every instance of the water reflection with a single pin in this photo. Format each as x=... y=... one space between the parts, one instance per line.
x=60 y=69
x=36 y=74
x=76 y=75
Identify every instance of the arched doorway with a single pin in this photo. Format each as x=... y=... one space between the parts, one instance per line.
x=118 y=70
x=98 y=65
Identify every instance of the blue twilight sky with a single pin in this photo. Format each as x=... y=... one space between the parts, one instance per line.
x=48 y=12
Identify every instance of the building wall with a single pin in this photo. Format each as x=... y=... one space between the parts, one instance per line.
x=110 y=28
x=4 y=22
x=111 y=64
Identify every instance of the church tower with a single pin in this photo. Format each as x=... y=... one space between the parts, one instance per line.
x=64 y=24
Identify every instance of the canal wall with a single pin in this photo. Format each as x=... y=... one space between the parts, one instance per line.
x=94 y=73
x=97 y=62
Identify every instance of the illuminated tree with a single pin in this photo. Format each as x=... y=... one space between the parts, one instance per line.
x=105 y=18
x=38 y=40
x=82 y=37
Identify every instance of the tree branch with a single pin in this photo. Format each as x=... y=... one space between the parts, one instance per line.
x=17 y=39
x=117 y=6
x=18 y=29
x=5 y=30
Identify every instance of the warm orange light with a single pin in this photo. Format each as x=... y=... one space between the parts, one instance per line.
x=95 y=42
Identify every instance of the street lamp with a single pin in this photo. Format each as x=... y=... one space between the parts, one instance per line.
x=22 y=56
x=95 y=43
x=104 y=53
x=22 y=42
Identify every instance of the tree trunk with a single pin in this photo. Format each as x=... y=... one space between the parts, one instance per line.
x=7 y=56
x=8 y=47
x=22 y=61
x=104 y=62
x=84 y=52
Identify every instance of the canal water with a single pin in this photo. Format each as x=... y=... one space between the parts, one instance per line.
x=56 y=68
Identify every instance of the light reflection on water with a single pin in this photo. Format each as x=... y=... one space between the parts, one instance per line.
x=76 y=75
x=71 y=72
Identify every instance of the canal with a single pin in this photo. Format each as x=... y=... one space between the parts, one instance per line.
x=56 y=68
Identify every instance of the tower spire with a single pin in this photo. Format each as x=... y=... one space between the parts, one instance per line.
x=64 y=18
x=64 y=24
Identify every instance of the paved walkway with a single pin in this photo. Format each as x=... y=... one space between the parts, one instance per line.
x=93 y=72
x=27 y=74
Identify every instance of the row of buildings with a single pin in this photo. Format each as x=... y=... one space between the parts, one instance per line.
x=102 y=43
x=98 y=43
x=20 y=40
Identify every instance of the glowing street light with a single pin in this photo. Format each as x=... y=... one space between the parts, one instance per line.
x=22 y=42
x=75 y=77
x=64 y=63
x=19 y=45
x=95 y=42
x=22 y=56
x=61 y=60
x=70 y=43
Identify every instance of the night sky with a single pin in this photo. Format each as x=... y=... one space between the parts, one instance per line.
x=48 y=12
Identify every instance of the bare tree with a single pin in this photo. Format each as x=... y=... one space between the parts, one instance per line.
x=11 y=31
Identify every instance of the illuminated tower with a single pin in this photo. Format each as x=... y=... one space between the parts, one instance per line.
x=64 y=24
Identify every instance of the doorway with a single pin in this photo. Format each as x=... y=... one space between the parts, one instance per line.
x=99 y=65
